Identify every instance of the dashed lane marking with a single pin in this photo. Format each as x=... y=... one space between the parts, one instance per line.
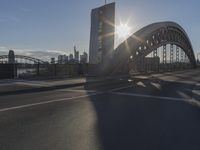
x=76 y=90
x=47 y=102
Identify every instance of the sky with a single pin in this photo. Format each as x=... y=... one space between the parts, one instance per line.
x=47 y=28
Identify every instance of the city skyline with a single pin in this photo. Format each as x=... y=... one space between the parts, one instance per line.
x=52 y=32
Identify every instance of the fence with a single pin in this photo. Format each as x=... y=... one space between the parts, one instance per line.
x=52 y=70
x=7 y=71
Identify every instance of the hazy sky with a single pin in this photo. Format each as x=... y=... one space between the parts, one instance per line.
x=55 y=26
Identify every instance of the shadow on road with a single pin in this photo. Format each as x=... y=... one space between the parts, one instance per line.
x=131 y=122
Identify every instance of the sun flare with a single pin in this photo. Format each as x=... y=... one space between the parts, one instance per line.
x=123 y=30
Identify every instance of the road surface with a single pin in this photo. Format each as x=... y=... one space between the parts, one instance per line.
x=155 y=112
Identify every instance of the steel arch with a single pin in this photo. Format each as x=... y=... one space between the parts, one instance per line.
x=149 y=38
x=35 y=60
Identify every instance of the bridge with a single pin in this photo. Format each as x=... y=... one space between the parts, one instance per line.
x=22 y=57
x=161 y=46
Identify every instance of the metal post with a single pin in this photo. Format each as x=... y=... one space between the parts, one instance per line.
x=164 y=56
x=171 y=55
x=38 y=69
x=155 y=54
x=182 y=53
x=177 y=56
x=15 y=70
x=185 y=61
x=55 y=71
x=198 y=54
x=143 y=64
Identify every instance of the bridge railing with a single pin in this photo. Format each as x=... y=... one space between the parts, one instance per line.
x=51 y=70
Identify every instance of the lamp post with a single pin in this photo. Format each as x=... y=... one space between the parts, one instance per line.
x=198 y=54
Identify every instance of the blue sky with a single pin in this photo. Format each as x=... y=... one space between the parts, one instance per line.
x=55 y=26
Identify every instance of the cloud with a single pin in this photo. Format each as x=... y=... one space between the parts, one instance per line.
x=44 y=55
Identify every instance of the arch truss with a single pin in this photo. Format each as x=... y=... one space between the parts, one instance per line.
x=159 y=46
x=21 y=57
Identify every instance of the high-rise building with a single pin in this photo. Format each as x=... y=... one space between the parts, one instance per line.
x=11 y=57
x=71 y=57
x=76 y=54
x=102 y=33
x=53 y=60
x=62 y=59
x=84 y=58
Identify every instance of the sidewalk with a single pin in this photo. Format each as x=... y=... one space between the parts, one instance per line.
x=17 y=86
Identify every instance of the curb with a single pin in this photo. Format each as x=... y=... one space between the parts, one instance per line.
x=40 y=89
x=53 y=87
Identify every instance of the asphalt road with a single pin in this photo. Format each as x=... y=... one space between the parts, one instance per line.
x=159 y=112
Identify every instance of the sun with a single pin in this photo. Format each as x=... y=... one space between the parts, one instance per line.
x=123 y=31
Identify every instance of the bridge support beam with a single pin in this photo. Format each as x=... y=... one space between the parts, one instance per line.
x=177 y=57
x=164 y=57
x=171 y=56
x=155 y=54
x=182 y=60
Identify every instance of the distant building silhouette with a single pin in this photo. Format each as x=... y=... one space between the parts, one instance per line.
x=76 y=54
x=71 y=57
x=63 y=59
x=84 y=58
x=11 y=57
x=102 y=33
x=53 y=60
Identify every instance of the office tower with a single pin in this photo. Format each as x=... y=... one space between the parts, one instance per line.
x=62 y=59
x=76 y=54
x=84 y=58
x=53 y=60
x=102 y=33
x=71 y=57
x=11 y=57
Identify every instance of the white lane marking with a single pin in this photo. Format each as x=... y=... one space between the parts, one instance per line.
x=156 y=85
x=121 y=88
x=197 y=92
x=31 y=83
x=182 y=94
x=141 y=84
x=76 y=90
x=151 y=96
x=47 y=102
